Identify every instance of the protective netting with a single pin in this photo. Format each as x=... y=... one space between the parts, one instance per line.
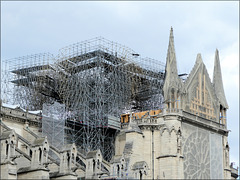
x=53 y=123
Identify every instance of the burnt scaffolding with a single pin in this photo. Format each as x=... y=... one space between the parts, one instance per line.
x=93 y=82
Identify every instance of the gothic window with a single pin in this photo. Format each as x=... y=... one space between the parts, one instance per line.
x=98 y=163
x=40 y=154
x=118 y=170
x=72 y=156
x=227 y=155
x=94 y=164
x=172 y=99
x=7 y=149
x=140 y=172
x=30 y=153
x=196 y=151
x=68 y=159
x=203 y=155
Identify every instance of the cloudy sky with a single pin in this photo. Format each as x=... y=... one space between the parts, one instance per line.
x=199 y=27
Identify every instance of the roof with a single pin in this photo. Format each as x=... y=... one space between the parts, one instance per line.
x=68 y=147
x=29 y=169
x=133 y=127
x=116 y=159
x=38 y=141
x=10 y=106
x=17 y=107
x=6 y=134
x=139 y=165
x=91 y=154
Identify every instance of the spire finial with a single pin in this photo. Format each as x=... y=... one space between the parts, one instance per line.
x=171 y=50
x=199 y=58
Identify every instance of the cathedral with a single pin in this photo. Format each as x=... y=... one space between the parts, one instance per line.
x=185 y=139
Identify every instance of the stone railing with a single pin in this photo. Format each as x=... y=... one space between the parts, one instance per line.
x=147 y=121
x=173 y=110
x=179 y=112
x=21 y=113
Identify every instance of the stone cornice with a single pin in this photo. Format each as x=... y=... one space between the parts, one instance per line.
x=204 y=123
x=183 y=116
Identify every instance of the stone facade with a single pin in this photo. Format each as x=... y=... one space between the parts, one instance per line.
x=187 y=139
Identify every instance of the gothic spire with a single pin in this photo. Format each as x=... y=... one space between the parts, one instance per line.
x=171 y=56
x=171 y=73
x=217 y=81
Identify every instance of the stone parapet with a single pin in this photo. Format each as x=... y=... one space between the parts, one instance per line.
x=19 y=115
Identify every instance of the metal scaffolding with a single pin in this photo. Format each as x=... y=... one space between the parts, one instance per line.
x=96 y=81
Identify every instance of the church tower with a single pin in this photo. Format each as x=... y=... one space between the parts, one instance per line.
x=170 y=157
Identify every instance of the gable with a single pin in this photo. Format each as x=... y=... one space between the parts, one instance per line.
x=201 y=98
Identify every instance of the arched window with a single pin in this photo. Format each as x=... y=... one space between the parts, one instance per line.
x=98 y=164
x=173 y=98
x=68 y=159
x=30 y=153
x=118 y=170
x=140 y=172
x=40 y=154
x=94 y=164
x=72 y=156
x=7 y=149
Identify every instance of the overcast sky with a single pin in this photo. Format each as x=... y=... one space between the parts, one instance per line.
x=199 y=27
